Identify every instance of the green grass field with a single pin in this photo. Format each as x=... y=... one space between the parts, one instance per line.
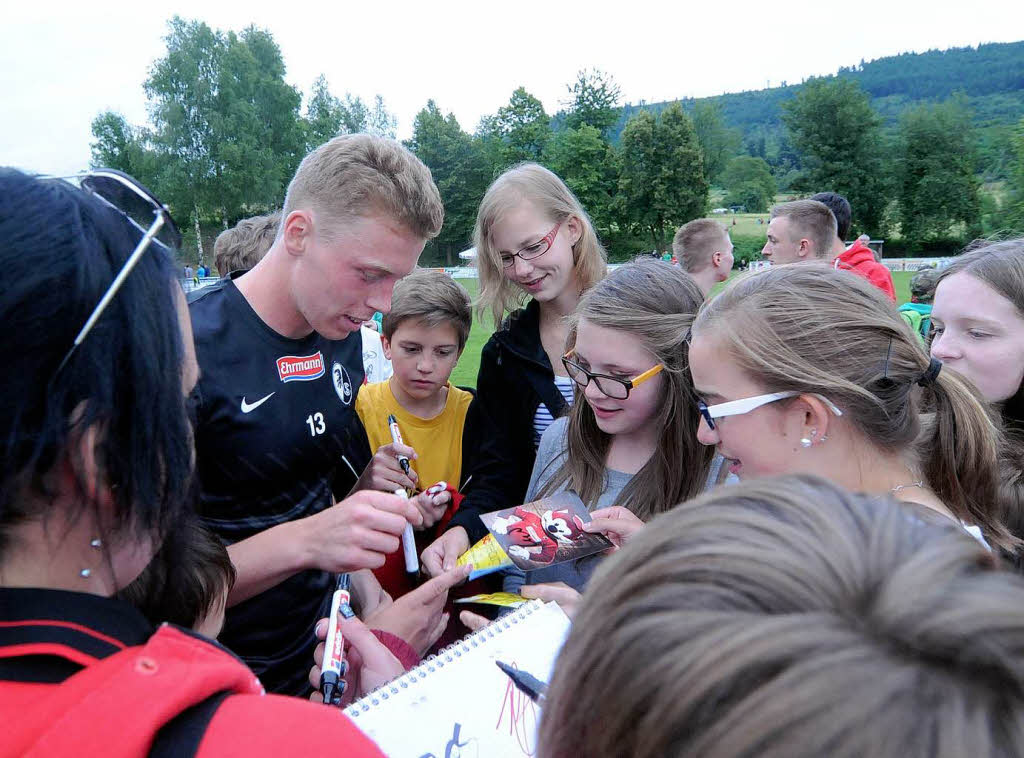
x=466 y=370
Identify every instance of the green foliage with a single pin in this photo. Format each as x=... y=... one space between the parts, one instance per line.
x=459 y=165
x=524 y=128
x=937 y=188
x=990 y=74
x=661 y=178
x=718 y=143
x=594 y=101
x=225 y=121
x=746 y=248
x=381 y=121
x=833 y=127
x=749 y=182
x=586 y=162
x=121 y=146
x=1015 y=201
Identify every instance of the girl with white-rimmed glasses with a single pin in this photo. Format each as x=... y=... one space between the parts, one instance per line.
x=805 y=369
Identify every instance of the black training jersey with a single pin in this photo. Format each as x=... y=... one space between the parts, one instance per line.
x=273 y=420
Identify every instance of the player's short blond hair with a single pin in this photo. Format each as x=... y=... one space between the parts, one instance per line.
x=358 y=174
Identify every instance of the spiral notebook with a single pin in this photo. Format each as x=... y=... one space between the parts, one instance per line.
x=459 y=702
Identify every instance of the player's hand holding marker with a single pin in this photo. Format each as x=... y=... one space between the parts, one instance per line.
x=357 y=533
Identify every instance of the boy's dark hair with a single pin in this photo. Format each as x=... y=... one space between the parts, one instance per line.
x=433 y=297
x=923 y=283
x=60 y=248
x=840 y=208
x=186 y=578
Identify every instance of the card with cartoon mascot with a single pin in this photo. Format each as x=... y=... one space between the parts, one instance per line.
x=545 y=532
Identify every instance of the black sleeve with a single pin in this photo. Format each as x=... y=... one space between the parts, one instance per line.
x=356 y=456
x=504 y=454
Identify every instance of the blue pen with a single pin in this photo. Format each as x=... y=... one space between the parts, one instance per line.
x=526 y=683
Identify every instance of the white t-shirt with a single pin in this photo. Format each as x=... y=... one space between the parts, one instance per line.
x=377 y=368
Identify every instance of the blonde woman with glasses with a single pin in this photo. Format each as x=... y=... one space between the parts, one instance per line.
x=537 y=253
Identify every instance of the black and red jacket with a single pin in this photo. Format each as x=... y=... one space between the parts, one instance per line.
x=85 y=675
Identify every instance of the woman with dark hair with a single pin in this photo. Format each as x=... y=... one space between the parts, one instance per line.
x=96 y=465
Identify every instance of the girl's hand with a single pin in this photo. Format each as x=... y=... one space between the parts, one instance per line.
x=616 y=523
x=567 y=598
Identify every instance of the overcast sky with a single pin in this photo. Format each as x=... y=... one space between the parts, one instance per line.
x=62 y=63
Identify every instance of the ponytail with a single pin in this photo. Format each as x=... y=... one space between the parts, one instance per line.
x=960 y=454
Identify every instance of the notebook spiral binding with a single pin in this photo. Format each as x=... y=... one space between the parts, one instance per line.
x=442 y=657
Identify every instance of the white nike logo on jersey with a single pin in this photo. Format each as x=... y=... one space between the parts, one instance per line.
x=250 y=407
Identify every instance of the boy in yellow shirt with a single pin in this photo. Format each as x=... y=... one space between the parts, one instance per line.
x=423 y=336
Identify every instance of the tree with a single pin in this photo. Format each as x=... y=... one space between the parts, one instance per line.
x=661 y=179
x=524 y=128
x=749 y=183
x=1015 y=200
x=586 y=163
x=226 y=123
x=461 y=171
x=594 y=101
x=937 y=188
x=717 y=142
x=325 y=117
x=381 y=121
x=836 y=132
x=117 y=144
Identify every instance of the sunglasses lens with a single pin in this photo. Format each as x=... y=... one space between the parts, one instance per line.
x=134 y=202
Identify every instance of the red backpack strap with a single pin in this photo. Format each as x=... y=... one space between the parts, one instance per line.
x=117 y=706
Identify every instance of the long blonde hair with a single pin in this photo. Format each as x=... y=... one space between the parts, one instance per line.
x=655 y=303
x=787 y=617
x=533 y=183
x=811 y=329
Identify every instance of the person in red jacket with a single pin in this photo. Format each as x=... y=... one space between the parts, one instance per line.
x=858 y=258
x=96 y=464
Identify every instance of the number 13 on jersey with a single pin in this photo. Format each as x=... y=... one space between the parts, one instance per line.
x=316 y=424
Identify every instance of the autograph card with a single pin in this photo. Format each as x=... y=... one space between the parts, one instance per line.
x=545 y=532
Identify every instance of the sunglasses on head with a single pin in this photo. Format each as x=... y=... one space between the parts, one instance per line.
x=142 y=209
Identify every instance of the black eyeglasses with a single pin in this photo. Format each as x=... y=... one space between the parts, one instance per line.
x=612 y=386
x=147 y=214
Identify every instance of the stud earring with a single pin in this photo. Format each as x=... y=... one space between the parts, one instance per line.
x=804 y=442
x=95 y=543
x=84 y=573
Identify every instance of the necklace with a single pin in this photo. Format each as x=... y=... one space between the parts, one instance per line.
x=901 y=487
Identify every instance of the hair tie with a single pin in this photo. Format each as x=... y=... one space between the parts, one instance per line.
x=931 y=373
